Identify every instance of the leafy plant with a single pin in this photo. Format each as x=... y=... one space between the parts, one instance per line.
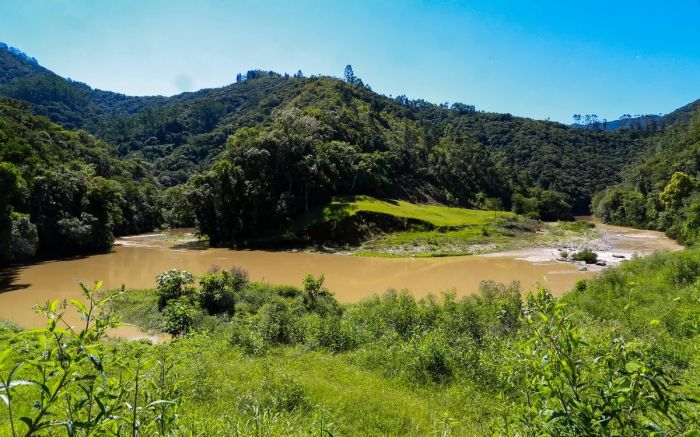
x=173 y=284
x=568 y=391
x=179 y=316
x=585 y=255
x=67 y=384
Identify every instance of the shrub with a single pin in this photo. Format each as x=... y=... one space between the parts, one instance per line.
x=217 y=293
x=613 y=389
x=239 y=278
x=501 y=306
x=682 y=269
x=173 y=284
x=429 y=359
x=278 y=324
x=586 y=255
x=179 y=317
x=245 y=333
x=331 y=333
x=74 y=384
x=576 y=226
x=318 y=298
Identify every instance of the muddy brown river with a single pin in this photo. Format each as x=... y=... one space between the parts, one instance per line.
x=135 y=262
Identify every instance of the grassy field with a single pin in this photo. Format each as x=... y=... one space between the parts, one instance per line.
x=436 y=215
x=451 y=231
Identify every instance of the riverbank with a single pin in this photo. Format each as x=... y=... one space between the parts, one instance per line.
x=287 y=365
x=136 y=261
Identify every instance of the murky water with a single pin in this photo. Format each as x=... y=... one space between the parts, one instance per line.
x=135 y=265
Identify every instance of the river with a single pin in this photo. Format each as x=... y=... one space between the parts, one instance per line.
x=135 y=261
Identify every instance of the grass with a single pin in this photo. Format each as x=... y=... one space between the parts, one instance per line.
x=450 y=231
x=372 y=388
x=436 y=215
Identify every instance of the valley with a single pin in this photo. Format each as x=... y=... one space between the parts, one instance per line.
x=296 y=254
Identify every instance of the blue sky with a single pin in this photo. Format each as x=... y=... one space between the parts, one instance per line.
x=533 y=58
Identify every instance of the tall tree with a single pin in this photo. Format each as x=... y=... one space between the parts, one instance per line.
x=350 y=75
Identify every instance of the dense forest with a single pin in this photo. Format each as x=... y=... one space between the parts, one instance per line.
x=65 y=191
x=253 y=155
x=662 y=191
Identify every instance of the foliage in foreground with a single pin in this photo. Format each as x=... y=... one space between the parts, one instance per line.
x=616 y=356
x=67 y=381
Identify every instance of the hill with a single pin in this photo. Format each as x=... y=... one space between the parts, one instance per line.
x=650 y=122
x=274 y=146
x=662 y=191
x=65 y=192
x=74 y=105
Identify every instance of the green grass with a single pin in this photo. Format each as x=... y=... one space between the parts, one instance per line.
x=449 y=231
x=435 y=215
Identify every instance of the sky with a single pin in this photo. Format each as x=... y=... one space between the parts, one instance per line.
x=540 y=59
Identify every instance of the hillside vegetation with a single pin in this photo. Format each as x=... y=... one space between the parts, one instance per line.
x=662 y=191
x=65 y=192
x=616 y=356
x=271 y=147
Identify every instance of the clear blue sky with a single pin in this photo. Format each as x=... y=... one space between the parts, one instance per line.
x=533 y=58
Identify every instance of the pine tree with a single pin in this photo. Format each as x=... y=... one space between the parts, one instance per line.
x=350 y=75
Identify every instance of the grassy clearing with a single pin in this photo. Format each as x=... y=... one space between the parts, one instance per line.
x=500 y=235
x=435 y=215
x=450 y=231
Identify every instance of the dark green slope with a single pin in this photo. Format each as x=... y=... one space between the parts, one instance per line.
x=65 y=192
x=72 y=104
x=661 y=191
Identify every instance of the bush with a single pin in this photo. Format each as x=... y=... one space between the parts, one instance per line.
x=245 y=333
x=179 y=316
x=429 y=359
x=173 y=284
x=331 y=333
x=217 y=294
x=501 y=306
x=575 y=389
x=318 y=298
x=586 y=255
x=278 y=324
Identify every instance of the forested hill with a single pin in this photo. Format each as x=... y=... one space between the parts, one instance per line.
x=72 y=104
x=286 y=143
x=663 y=190
x=65 y=191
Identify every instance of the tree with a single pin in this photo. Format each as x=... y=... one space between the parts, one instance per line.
x=525 y=205
x=677 y=189
x=10 y=185
x=350 y=75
